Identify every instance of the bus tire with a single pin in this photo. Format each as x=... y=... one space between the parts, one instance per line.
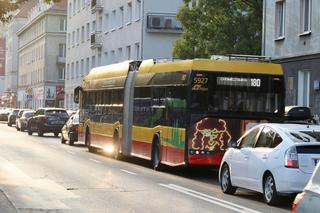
x=116 y=144
x=88 y=142
x=155 y=153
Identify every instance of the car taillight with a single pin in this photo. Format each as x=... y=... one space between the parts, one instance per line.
x=45 y=118
x=291 y=158
x=297 y=202
x=76 y=129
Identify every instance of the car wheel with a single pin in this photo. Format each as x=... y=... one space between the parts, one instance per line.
x=56 y=134
x=71 y=141
x=40 y=132
x=88 y=142
x=22 y=129
x=156 y=163
x=63 y=141
x=29 y=131
x=270 y=194
x=225 y=181
x=9 y=124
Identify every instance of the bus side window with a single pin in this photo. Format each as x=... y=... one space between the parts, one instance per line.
x=176 y=106
x=158 y=106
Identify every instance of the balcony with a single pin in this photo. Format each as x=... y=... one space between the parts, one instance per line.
x=61 y=59
x=96 y=5
x=96 y=40
x=163 y=23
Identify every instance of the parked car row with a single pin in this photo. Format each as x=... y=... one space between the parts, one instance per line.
x=46 y=120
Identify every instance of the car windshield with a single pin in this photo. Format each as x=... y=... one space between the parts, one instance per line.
x=15 y=112
x=60 y=113
x=28 y=114
x=304 y=136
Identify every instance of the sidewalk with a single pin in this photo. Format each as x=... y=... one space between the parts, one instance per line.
x=6 y=205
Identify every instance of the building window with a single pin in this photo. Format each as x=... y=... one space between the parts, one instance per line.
x=82 y=34
x=61 y=73
x=113 y=56
x=81 y=68
x=74 y=7
x=77 y=69
x=138 y=10
x=106 y=57
x=93 y=62
x=70 y=9
x=68 y=71
x=62 y=50
x=88 y=31
x=72 y=70
x=63 y=25
x=73 y=37
x=106 y=23
x=128 y=52
x=303 y=88
x=137 y=50
x=113 y=20
x=306 y=15
x=99 y=59
x=87 y=65
x=93 y=29
x=121 y=17
x=78 y=36
x=68 y=39
x=280 y=19
x=129 y=12
x=120 y=54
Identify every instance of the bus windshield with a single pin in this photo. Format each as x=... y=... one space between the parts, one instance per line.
x=236 y=92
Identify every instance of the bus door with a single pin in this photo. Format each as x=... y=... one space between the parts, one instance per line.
x=128 y=113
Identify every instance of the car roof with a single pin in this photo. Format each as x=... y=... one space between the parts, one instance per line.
x=293 y=127
x=52 y=108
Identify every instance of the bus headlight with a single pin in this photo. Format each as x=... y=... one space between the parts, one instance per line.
x=109 y=149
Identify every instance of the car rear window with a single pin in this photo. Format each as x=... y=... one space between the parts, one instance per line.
x=304 y=136
x=308 y=149
x=60 y=113
x=28 y=114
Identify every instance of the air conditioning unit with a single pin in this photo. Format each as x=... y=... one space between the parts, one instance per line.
x=155 y=22
x=168 y=23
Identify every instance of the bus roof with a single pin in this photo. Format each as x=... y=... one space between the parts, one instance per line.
x=148 y=66
x=114 y=75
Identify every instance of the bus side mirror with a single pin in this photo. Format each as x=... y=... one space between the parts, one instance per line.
x=76 y=95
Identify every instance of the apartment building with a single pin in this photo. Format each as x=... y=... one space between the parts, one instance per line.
x=291 y=35
x=41 y=53
x=2 y=64
x=105 y=32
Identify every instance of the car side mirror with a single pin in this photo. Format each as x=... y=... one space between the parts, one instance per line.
x=232 y=144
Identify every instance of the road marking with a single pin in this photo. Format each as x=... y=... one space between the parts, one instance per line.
x=210 y=199
x=126 y=171
x=96 y=161
x=72 y=153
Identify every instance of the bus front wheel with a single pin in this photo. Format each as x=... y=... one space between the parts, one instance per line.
x=156 y=154
x=88 y=142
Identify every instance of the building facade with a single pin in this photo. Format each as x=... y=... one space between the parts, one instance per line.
x=105 y=32
x=291 y=36
x=41 y=54
x=11 y=67
x=2 y=64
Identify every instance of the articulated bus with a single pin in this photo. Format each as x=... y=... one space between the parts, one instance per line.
x=178 y=112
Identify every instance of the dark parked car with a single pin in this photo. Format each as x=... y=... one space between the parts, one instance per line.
x=47 y=120
x=70 y=130
x=22 y=121
x=12 y=117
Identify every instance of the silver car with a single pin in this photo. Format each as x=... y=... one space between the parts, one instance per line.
x=309 y=199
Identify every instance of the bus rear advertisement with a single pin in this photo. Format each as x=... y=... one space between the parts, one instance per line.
x=177 y=113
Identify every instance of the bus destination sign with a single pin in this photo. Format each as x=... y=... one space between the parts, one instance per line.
x=242 y=82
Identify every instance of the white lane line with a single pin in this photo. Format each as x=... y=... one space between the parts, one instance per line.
x=96 y=161
x=126 y=171
x=72 y=153
x=210 y=199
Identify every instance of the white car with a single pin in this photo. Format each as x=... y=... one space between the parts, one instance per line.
x=273 y=159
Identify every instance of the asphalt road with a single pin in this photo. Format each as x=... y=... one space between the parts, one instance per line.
x=39 y=174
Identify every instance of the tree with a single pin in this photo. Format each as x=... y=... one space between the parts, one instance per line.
x=7 y=7
x=216 y=27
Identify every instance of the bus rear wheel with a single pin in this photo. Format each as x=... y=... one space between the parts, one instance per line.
x=88 y=142
x=156 y=164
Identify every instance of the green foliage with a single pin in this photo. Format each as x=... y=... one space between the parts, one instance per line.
x=218 y=27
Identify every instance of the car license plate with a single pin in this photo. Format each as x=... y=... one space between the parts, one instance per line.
x=316 y=161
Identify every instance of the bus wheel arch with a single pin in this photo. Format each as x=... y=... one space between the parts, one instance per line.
x=156 y=152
